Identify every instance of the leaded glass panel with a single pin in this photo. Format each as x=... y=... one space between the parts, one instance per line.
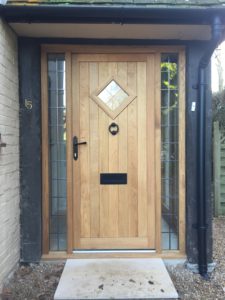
x=57 y=151
x=169 y=150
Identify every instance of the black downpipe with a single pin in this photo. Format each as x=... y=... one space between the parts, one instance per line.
x=201 y=148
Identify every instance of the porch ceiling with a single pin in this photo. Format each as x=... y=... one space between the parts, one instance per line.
x=113 y=31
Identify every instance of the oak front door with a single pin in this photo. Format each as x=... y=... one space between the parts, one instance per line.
x=114 y=158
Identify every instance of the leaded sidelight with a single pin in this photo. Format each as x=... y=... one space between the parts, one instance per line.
x=170 y=151
x=57 y=151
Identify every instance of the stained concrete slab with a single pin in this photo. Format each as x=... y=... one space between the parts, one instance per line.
x=115 y=279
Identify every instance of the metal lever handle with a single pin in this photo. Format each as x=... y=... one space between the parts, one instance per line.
x=75 y=147
x=81 y=143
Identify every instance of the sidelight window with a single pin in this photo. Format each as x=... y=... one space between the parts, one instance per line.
x=57 y=151
x=169 y=151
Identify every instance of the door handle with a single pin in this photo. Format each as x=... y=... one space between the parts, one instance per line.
x=75 y=147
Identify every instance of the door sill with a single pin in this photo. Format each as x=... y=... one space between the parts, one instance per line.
x=60 y=255
x=115 y=251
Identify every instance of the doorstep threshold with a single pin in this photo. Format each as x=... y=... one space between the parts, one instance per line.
x=122 y=278
x=114 y=251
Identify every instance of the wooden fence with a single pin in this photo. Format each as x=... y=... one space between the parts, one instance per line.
x=219 y=169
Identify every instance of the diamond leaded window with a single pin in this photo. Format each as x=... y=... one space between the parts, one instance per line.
x=113 y=97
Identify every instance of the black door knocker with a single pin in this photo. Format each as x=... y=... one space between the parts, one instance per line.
x=113 y=128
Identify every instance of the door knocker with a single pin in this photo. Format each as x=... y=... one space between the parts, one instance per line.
x=113 y=128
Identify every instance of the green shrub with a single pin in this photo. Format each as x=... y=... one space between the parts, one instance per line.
x=218 y=108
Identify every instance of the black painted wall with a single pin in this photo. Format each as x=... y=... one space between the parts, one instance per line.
x=194 y=53
x=30 y=145
x=30 y=150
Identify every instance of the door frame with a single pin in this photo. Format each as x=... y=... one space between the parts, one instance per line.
x=68 y=50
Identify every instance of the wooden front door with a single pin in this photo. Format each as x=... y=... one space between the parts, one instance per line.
x=114 y=172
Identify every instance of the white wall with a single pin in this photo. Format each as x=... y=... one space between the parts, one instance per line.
x=9 y=156
x=217 y=64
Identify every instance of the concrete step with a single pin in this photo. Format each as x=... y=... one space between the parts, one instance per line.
x=115 y=279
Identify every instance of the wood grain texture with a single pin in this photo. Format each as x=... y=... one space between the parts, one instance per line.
x=123 y=201
x=123 y=206
x=182 y=180
x=151 y=172
x=76 y=164
x=103 y=156
x=114 y=243
x=113 y=168
x=84 y=149
x=132 y=155
x=158 y=150
x=114 y=212
x=125 y=254
x=69 y=154
x=95 y=49
x=142 y=149
x=93 y=154
x=123 y=58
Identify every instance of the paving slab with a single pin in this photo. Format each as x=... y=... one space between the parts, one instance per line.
x=115 y=279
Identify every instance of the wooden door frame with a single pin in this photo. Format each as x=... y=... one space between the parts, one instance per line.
x=68 y=51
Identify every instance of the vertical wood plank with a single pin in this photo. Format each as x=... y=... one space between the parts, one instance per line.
x=182 y=151
x=158 y=150
x=122 y=72
x=93 y=153
x=151 y=150
x=84 y=150
x=76 y=164
x=142 y=146
x=123 y=202
x=132 y=156
x=123 y=205
x=113 y=168
x=103 y=157
x=69 y=154
x=45 y=154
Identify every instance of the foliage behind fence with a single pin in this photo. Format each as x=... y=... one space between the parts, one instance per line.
x=219 y=168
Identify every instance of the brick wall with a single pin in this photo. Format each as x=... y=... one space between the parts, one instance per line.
x=9 y=156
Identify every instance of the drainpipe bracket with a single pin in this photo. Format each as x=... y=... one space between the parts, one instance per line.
x=197 y=85
x=204 y=84
x=195 y=269
x=196 y=226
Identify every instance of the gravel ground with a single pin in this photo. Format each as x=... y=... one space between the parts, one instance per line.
x=33 y=282
x=39 y=281
x=192 y=286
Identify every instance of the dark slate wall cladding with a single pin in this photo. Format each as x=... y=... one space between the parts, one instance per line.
x=30 y=125
x=30 y=150
x=194 y=53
